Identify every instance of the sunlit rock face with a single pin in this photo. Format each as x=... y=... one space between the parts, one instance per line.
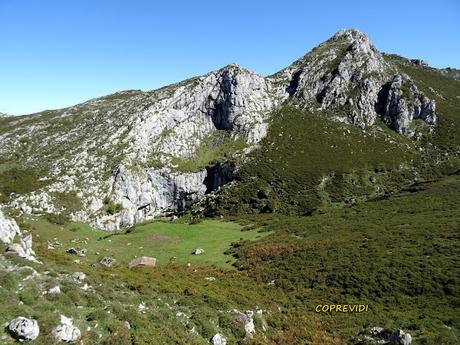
x=122 y=156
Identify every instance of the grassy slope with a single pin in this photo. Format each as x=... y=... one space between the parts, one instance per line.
x=300 y=150
x=399 y=255
x=446 y=92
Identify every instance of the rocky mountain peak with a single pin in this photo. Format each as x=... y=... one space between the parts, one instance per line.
x=347 y=74
x=351 y=35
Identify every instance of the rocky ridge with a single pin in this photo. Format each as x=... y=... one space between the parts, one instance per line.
x=136 y=155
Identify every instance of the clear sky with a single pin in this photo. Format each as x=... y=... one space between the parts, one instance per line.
x=56 y=53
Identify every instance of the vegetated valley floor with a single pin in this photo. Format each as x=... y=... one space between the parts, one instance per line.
x=397 y=254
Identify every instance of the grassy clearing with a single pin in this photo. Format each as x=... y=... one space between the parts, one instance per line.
x=162 y=240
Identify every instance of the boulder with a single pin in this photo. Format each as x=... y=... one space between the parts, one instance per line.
x=399 y=337
x=66 y=331
x=106 y=261
x=23 y=329
x=54 y=290
x=78 y=276
x=198 y=251
x=143 y=261
x=246 y=320
x=218 y=339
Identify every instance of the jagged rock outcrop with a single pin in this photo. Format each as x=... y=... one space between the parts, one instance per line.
x=451 y=72
x=136 y=155
x=9 y=232
x=9 y=229
x=401 y=102
x=348 y=74
x=66 y=331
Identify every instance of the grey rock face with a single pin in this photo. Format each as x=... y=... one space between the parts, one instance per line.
x=24 y=329
x=348 y=74
x=9 y=229
x=66 y=331
x=401 y=102
x=344 y=73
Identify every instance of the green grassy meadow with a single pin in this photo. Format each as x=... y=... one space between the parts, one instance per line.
x=168 y=242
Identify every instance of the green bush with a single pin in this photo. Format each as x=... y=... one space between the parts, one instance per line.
x=59 y=219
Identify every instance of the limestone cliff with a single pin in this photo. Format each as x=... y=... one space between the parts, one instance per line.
x=117 y=160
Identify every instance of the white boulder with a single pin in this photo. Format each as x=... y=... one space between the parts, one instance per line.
x=24 y=329
x=218 y=339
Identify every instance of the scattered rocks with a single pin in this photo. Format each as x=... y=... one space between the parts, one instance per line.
x=380 y=335
x=106 y=262
x=198 y=251
x=54 y=244
x=218 y=339
x=23 y=329
x=143 y=261
x=419 y=62
x=66 y=331
x=210 y=279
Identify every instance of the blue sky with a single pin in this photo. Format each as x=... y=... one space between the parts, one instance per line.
x=59 y=53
